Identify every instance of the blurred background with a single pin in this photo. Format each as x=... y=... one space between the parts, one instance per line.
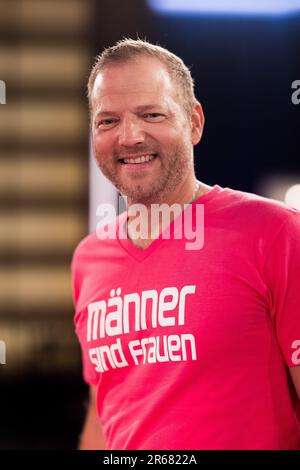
x=244 y=64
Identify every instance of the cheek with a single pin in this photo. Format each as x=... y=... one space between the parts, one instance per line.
x=168 y=137
x=101 y=146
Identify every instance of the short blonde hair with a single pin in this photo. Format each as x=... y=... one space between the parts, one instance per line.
x=128 y=49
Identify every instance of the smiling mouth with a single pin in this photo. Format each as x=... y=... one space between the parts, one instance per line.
x=142 y=159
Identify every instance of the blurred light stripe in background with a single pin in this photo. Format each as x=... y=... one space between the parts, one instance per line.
x=244 y=7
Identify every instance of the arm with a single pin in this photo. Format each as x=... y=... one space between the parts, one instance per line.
x=295 y=374
x=92 y=437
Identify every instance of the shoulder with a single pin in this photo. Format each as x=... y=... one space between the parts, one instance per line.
x=258 y=208
x=85 y=245
x=97 y=242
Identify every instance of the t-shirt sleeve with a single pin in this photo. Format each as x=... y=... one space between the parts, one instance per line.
x=282 y=274
x=90 y=376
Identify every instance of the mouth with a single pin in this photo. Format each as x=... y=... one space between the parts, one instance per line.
x=139 y=160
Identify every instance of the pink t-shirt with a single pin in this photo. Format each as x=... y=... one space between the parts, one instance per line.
x=189 y=349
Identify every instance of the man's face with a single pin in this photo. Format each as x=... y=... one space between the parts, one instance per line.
x=137 y=112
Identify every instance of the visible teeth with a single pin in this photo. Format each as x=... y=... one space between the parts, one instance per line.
x=142 y=159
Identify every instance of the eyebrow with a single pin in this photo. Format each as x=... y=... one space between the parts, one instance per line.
x=145 y=107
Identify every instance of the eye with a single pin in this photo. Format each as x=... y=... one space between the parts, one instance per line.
x=157 y=117
x=106 y=122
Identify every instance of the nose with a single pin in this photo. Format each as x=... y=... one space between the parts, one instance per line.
x=130 y=132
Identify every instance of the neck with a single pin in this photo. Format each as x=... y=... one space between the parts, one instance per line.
x=143 y=226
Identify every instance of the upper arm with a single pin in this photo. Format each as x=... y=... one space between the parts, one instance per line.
x=295 y=374
x=92 y=437
x=93 y=397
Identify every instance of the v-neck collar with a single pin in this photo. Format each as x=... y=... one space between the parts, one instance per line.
x=140 y=254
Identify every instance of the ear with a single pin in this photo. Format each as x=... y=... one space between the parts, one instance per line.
x=197 y=121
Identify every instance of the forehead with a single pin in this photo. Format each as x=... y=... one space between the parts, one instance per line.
x=142 y=79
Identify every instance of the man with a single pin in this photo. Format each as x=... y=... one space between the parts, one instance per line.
x=182 y=348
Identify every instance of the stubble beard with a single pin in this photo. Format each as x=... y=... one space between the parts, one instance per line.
x=174 y=168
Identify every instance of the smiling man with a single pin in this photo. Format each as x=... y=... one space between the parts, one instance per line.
x=182 y=349
x=144 y=130
x=142 y=125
